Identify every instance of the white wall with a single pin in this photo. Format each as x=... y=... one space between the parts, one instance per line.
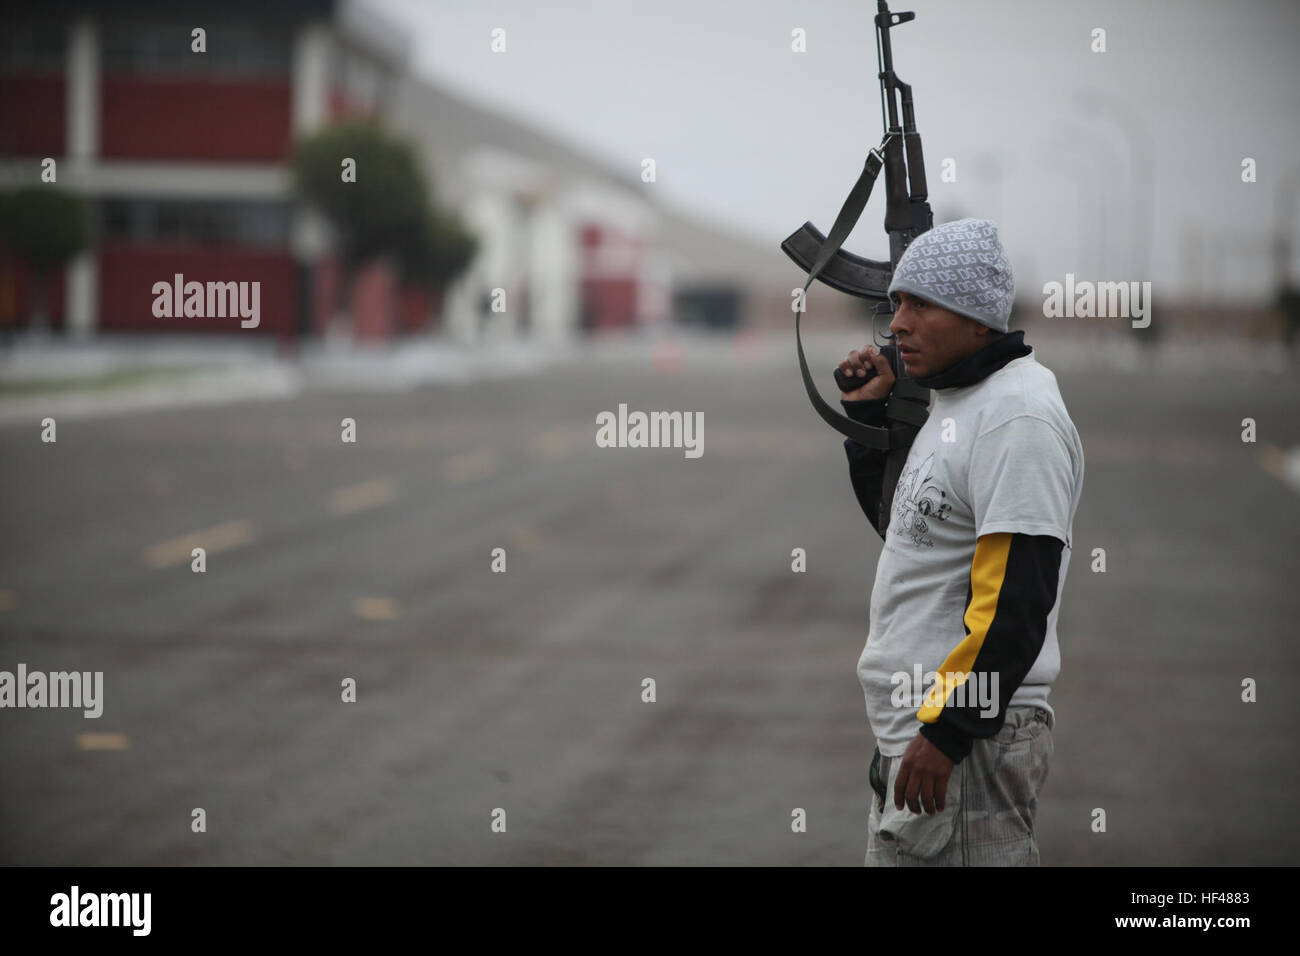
x=527 y=217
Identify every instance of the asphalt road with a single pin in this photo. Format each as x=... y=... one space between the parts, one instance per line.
x=523 y=690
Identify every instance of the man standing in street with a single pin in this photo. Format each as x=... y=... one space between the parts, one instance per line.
x=962 y=647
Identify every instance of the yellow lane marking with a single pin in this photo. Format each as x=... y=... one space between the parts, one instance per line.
x=103 y=742
x=220 y=537
x=555 y=443
x=526 y=539
x=375 y=609
x=359 y=497
x=1272 y=459
x=471 y=466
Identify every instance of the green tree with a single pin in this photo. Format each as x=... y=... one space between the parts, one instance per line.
x=387 y=210
x=44 y=226
x=436 y=249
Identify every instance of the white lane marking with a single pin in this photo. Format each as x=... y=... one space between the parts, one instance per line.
x=1283 y=465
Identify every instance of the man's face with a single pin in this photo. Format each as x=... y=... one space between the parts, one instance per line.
x=930 y=338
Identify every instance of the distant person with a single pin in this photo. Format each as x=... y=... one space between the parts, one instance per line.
x=968 y=584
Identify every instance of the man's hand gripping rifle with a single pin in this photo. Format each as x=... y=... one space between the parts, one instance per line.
x=907 y=215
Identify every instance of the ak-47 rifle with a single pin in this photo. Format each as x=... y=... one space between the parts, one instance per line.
x=907 y=215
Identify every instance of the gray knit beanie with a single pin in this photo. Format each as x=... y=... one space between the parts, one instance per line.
x=962 y=267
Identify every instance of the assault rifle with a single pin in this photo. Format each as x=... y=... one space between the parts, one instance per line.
x=907 y=215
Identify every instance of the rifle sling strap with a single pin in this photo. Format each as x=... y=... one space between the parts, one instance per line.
x=910 y=411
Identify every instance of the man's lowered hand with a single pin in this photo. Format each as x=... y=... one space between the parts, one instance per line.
x=923 y=777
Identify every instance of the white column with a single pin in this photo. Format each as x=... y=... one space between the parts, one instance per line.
x=312 y=48
x=81 y=295
x=487 y=214
x=309 y=235
x=81 y=134
x=553 y=270
x=82 y=117
x=459 y=310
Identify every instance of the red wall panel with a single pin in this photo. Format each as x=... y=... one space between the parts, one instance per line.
x=16 y=294
x=227 y=120
x=381 y=307
x=418 y=309
x=127 y=273
x=340 y=106
x=610 y=281
x=610 y=303
x=31 y=114
x=374 y=302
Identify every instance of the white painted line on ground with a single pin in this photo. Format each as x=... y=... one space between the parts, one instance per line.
x=222 y=387
x=1283 y=465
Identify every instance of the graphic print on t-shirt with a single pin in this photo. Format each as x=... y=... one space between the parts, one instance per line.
x=919 y=500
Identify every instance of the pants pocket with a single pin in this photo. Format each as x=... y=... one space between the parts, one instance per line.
x=921 y=835
x=1011 y=772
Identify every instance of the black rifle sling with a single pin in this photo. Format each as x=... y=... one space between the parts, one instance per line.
x=868 y=435
x=894 y=461
x=906 y=411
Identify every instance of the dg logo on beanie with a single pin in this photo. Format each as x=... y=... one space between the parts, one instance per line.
x=962 y=267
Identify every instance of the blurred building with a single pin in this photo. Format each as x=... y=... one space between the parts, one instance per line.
x=184 y=157
x=183 y=153
x=569 y=241
x=577 y=243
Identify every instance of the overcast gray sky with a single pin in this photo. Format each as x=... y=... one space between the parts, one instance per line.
x=754 y=136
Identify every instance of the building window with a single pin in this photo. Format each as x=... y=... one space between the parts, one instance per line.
x=34 y=46
x=264 y=224
x=233 y=49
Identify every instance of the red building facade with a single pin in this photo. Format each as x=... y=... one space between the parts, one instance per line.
x=180 y=140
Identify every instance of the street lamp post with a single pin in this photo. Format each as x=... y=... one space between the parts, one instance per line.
x=1098 y=102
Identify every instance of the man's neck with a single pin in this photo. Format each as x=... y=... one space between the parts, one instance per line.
x=980 y=364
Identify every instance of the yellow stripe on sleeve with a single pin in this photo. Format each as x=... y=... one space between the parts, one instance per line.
x=988 y=571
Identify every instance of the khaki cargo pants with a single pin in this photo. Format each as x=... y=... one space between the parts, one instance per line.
x=988 y=817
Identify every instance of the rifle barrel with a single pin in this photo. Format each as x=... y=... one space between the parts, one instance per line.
x=886 y=59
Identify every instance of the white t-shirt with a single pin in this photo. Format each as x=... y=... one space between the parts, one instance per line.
x=998 y=455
